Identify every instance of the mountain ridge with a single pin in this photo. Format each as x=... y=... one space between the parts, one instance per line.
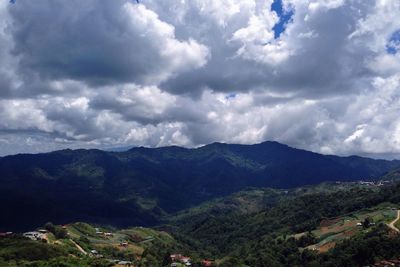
x=141 y=185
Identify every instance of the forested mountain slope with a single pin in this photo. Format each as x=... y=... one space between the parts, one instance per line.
x=140 y=186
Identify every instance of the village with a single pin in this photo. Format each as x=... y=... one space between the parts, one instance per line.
x=98 y=238
x=368 y=182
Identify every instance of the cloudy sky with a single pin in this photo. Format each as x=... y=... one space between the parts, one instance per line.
x=322 y=75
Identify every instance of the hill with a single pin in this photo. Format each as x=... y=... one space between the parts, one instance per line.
x=142 y=185
x=342 y=226
x=85 y=245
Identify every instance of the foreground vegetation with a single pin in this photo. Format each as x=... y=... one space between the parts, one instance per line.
x=288 y=233
x=340 y=224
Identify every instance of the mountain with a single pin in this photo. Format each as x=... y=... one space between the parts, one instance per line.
x=142 y=185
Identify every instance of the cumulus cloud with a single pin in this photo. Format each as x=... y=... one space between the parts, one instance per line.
x=110 y=73
x=99 y=43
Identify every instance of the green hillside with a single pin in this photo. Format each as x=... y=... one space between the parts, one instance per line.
x=324 y=225
x=141 y=186
x=87 y=245
x=296 y=226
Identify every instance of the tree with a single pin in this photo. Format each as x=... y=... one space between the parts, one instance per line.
x=56 y=230
x=167 y=259
x=367 y=222
x=50 y=227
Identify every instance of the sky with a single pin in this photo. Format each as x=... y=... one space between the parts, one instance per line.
x=321 y=75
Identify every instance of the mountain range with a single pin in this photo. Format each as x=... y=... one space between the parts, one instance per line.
x=143 y=185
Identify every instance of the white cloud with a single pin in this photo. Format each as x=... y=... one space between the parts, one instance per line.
x=257 y=39
x=177 y=56
x=100 y=74
x=323 y=5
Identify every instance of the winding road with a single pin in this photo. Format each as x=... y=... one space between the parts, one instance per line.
x=391 y=225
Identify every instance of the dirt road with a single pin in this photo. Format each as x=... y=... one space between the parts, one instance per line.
x=391 y=225
x=79 y=247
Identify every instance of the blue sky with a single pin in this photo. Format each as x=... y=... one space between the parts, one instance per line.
x=393 y=45
x=284 y=17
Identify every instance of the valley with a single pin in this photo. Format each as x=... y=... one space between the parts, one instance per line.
x=233 y=231
x=217 y=205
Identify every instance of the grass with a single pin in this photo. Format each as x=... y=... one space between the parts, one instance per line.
x=81 y=229
x=138 y=238
x=147 y=203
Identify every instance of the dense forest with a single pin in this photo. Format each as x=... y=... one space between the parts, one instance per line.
x=143 y=185
x=265 y=237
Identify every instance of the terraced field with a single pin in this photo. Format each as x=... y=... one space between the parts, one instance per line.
x=333 y=230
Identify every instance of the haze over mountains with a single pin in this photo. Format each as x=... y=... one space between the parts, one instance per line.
x=140 y=186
